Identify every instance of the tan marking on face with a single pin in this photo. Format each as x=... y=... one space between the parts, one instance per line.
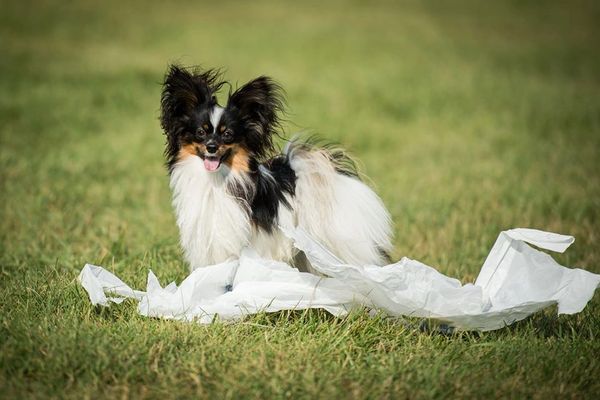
x=205 y=127
x=190 y=149
x=239 y=158
x=237 y=161
x=222 y=129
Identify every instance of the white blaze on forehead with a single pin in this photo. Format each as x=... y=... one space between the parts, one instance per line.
x=215 y=117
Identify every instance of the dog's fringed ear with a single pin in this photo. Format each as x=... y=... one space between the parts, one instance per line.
x=259 y=103
x=183 y=91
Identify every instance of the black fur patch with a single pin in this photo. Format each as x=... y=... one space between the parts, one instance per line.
x=268 y=189
x=272 y=186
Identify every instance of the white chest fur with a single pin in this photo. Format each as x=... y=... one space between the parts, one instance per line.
x=213 y=225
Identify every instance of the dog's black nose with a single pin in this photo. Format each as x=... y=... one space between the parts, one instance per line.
x=212 y=148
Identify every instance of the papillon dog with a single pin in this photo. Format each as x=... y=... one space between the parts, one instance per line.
x=232 y=189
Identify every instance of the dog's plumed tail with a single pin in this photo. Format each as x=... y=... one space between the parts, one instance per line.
x=335 y=207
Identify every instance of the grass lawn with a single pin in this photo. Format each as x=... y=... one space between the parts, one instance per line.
x=469 y=117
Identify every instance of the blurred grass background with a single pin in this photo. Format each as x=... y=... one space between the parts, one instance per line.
x=469 y=117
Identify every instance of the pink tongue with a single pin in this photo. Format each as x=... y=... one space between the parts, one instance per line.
x=211 y=165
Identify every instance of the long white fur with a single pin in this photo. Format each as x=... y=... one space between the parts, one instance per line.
x=276 y=245
x=339 y=211
x=213 y=225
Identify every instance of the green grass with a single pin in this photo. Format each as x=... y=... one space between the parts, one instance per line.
x=469 y=118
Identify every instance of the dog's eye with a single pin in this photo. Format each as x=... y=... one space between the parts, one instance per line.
x=227 y=136
x=200 y=133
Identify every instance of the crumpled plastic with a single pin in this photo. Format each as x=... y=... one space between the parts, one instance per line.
x=515 y=281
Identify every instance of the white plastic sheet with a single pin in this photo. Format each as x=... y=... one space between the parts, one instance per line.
x=515 y=281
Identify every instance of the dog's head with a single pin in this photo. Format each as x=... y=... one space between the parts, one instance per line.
x=197 y=126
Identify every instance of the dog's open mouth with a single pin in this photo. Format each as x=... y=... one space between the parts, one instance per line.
x=213 y=162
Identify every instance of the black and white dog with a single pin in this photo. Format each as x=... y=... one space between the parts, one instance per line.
x=231 y=189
